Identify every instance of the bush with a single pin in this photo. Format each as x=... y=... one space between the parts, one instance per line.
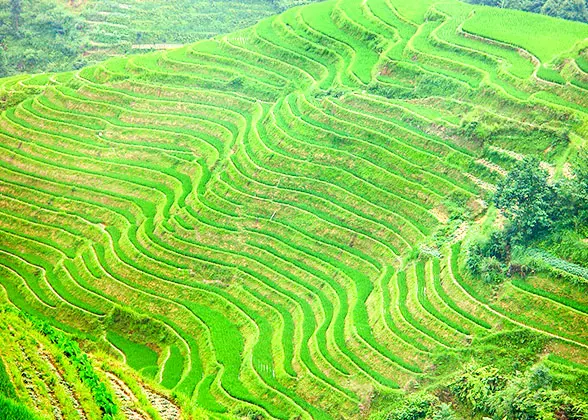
x=488 y=259
x=492 y=270
x=445 y=412
x=414 y=409
x=475 y=386
x=526 y=396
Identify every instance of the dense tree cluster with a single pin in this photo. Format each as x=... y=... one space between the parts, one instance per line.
x=37 y=36
x=519 y=397
x=566 y=9
x=535 y=207
x=483 y=391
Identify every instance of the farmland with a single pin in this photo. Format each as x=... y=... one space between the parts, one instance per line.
x=61 y=35
x=273 y=223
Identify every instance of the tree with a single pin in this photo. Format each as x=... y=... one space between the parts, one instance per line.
x=3 y=63
x=527 y=200
x=15 y=10
x=574 y=194
x=567 y=9
x=445 y=413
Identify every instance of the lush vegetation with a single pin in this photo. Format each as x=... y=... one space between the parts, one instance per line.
x=565 y=9
x=9 y=407
x=79 y=359
x=45 y=374
x=38 y=36
x=539 y=210
x=59 y=35
x=346 y=210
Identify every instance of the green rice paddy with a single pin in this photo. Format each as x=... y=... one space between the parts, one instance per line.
x=270 y=199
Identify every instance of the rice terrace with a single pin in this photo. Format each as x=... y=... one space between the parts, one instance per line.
x=352 y=209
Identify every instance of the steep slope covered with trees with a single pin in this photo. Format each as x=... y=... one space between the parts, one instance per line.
x=565 y=9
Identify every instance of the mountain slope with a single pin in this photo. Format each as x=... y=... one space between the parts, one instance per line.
x=262 y=198
x=45 y=370
x=61 y=35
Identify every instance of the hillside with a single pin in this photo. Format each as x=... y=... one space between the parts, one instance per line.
x=44 y=374
x=62 y=35
x=273 y=223
x=565 y=9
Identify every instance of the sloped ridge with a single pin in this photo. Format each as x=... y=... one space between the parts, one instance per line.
x=261 y=195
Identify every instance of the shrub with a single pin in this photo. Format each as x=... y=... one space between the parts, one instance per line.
x=488 y=259
x=445 y=412
x=475 y=386
x=414 y=409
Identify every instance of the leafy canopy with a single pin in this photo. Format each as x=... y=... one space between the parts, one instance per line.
x=527 y=199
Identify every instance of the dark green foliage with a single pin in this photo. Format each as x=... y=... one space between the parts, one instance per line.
x=46 y=35
x=419 y=406
x=413 y=409
x=39 y=36
x=544 y=261
x=526 y=198
x=537 y=210
x=519 y=400
x=522 y=393
x=573 y=195
x=147 y=329
x=475 y=386
x=488 y=258
x=520 y=397
x=15 y=11
x=445 y=413
x=540 y=377
x=566 y=9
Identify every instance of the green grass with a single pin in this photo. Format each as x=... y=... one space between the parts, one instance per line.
x=15 y=411
x=174 y=368
x=138 y=356
x=6 y=386
x=542 y=36
x=550 y=75
x=414 y=11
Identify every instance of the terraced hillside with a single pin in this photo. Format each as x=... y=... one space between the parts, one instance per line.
x=285 y=205
x=44 y=374
x=115 y=28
